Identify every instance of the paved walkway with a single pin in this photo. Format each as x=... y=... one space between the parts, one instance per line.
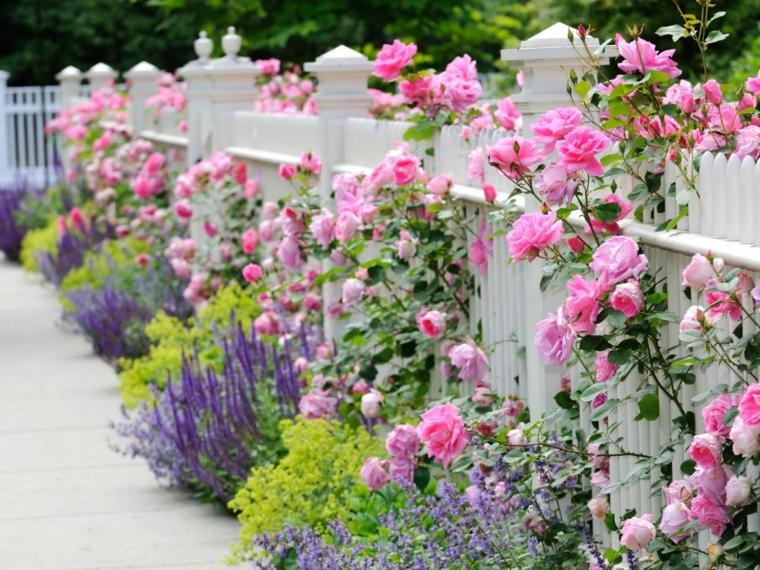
x=67 y=501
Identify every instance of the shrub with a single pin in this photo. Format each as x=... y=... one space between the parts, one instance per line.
x=11 y=231
x=36 y=241
x=311 y=485
x=207 y=429
x=169 y=337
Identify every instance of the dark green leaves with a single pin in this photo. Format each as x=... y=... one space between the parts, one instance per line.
x=649 y=407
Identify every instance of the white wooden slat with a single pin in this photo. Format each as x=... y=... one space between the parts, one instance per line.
x=731 y=199
x=747 y=201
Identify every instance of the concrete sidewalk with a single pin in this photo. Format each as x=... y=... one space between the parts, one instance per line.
x=67 y=501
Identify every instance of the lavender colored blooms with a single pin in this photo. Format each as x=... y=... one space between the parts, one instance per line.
x=208 y=428
x=11 y=232
x=72 y=248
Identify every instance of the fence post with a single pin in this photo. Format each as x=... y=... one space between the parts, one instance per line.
x=5 y=170
x=342 y=75
x=198 y=89
x=70 y=80
x=143 y=78
x=232 y=86
x=100 y=75
x=545 y=60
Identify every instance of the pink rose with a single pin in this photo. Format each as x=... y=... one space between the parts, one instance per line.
x=373 y=473
x=289 y=253
x=675 y=517
x=678 y=490
x=471 y=361
x=579 y=150
x=713 y=92
x=516 y=438
x=267 y=323
x=638 y=532
x=346 y=226
x=402 y=469
x=627 y=298
x=682 y=95
x=431 y=323
x=604 y=368
x=753 y=84
x=711 y=483
x=403 y=441
x=582 y=306
x=392 y=58
x=508 y=114
x=713 y=413
x=370 y=404
x=489 y=193
x=311 y=163
x=406 y=246
x=323 y=228
x=706 y=450
x=286 y=171
x=442 y=430
x=710 y=515
x=250 y=241
x=441 y=184
x=405 y=169
x=252 y=272
x=738 y=490
x=514 y=156
x=553 y=125
x=618 y=259
x=554 y=338
x=183 y=209
x=555 y=186
x=598 y=506
x=251 y=188
x=698 y=272
x=353 y=289
x=317 y=404
x=532 y=233
x=640 y=56
x=745 y=438
x=267 y=229
x=476 y=165
x=481 y=247
x=749 y=406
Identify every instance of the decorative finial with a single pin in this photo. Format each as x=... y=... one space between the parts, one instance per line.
x=231 y=43
x=203 y=46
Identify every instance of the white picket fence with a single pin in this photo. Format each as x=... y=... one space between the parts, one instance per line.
x=721 y=220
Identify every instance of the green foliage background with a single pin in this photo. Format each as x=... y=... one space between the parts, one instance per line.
x=39 y=37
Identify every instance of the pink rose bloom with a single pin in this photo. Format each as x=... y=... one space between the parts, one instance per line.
x=711 y=483
x=514 y=156
x=311 y=163
x=346 y=226
x=403 y=441
x=460 y=93
x=749 y=406
x=267 y=323
x=582 y=306
x=579 y=150
x=471 y=361
x=418 y=91
x=748 y=142
x=753 y=84
x=480 y=248
x=682 y=95
x=252 y=272
x=289 y=253
x=745 y=438
x=431 y=323
x=618 y=259
x=392 y=58
x=312 y=302
x=627 y=298
x=508 y=115
x=250 y=241
x=267 y=229
x=251 y=188
x=154 y=163
x=476 y=165
x=513 y=406
x=532 y=233
x=554 y=338
x=712 y=415
x=675 y=517
x=441 y=184
x=640 y=56
x=553 y=125
x=442 y=430
x=317 y=404
x=405 y=169
x=713 y=92
x=706 y=450
x=738 y=490
x=710 y=515
x=183 y=209
x=353 y=289
x=405 y=246
x=370 y=404
x=638 y=532
x=322 y=227
x=286 y=171
x=102 y=142
x=693 y=319
x=604 y=368
x=698 y=272
x=182 y=268
x=76 y=217
x=598 y=506
x=555 y=186
x=402 y=469
x=482 y=396
x=678 y=490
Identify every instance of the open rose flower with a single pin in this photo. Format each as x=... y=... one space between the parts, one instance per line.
x=471 y=361
x=514 y=156
x=749 y=406
x=580 y=150
x=431 y=323
x=442 y=430
x=392 y=58
x=532 y=233
x=373 y=473
x=638 y=532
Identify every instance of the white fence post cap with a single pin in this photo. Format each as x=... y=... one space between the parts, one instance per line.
x=4 y=75
x=101 y=71
x=341 y=58
x=231 y=43
x=142 y=70
x=553 y=43
x=203 y=46
x=69 y=72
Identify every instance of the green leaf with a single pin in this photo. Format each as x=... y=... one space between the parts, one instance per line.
x=564 y=400
x=609 y=522
x=607 y=212
x=590 y=393
x=649 y=407
x=730 y=414
x=593 y=343
x=616 y=319
x=421 y=131
x=602 y=411
x=675 y=31
x=715 y=36
x=619 y=356
x=688 y=467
